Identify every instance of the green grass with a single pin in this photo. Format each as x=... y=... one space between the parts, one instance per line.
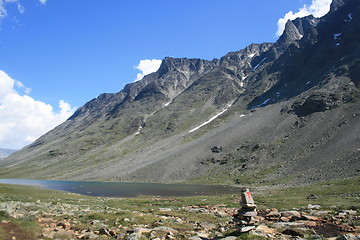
x=344 y=194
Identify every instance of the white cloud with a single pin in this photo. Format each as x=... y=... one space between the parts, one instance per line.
x=146 y=67
x=318 y=8
x=20 y=7
x=22 y=118
x=3 y=12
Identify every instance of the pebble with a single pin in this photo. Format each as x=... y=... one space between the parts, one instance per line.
x=310 y=206
x=165 y=209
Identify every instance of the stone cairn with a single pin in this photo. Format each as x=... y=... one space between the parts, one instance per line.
x=245 y=219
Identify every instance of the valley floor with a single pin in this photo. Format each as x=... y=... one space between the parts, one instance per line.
x=322 y=211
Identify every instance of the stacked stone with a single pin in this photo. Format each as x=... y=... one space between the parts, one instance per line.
x=246 y=216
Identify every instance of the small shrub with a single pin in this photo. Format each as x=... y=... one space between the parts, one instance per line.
x=3 y=214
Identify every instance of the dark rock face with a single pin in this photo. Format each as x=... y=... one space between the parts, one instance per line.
x=276 y=96
x=317 y=102
x=336 y=4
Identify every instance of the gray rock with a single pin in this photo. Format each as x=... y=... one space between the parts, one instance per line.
x=229 y=238
x=350 y=212
x=165 y=229
x=207 y=225
x=312 y=196
x=310 y=206
x=289 y=225
x=165 y=209
x=316 y=237
x=273 y=214
x=133 y=236
x=348 y=237
x=104 y=231
x=290 y=214
x=89 y=235
x=141 y=230
x=195 y=238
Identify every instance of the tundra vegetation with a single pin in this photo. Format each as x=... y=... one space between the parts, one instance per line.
x=327 y=210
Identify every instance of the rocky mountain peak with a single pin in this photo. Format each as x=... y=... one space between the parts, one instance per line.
x=185 y=65
x=297 y=28
x=292 y=32
x=245 y=55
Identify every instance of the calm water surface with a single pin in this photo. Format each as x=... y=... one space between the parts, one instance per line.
x=119 y=189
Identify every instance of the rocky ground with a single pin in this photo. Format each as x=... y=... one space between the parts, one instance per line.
x=78 y=220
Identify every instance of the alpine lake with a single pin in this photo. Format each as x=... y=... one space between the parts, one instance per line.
x=121 y=189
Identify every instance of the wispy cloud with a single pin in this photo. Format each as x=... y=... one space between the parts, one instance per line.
x=146 y=67
x=318 y=8
x=3 y=12
x=20 y=7
x=24 y=119
x=3 y=4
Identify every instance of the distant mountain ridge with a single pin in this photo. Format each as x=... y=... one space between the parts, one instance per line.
x=272 y=113
x=6 y=152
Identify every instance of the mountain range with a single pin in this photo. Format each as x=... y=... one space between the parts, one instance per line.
x=272 y=113
x=6 y=152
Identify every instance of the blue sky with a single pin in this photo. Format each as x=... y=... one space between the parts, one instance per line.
x=74 y=50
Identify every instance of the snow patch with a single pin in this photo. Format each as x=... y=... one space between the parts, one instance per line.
x=337 y=36
x=242 y=83
x=350 y=18
x=210 y=120
x=251 y=55
x=12 y=165
x=138 y=132
x=256 y=67
x=262 y=104
x=278 y=94
x=265 y=102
